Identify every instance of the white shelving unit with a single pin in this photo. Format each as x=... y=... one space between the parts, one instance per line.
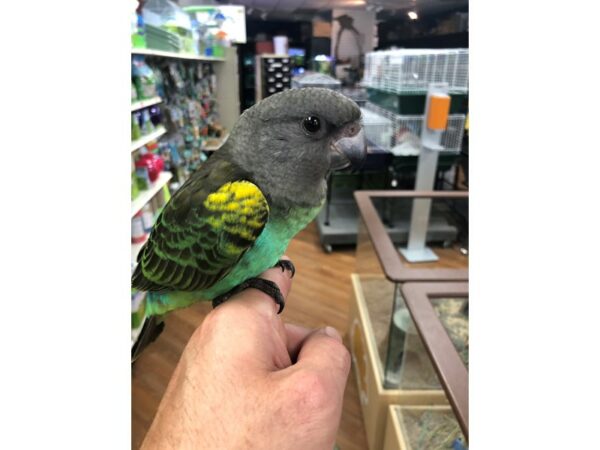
x=227 y=97
x=145 y=196
x=151 y=52
x=145 y=103
x=148 y=138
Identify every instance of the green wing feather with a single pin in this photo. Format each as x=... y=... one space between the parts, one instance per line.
x=202 y=232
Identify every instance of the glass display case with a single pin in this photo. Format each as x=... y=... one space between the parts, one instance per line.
x=440 y=314
x=413 y=317
x=423 y=427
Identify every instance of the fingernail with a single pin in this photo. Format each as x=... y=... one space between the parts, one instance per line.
x=332 y=332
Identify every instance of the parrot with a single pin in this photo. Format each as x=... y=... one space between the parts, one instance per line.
x=235 y=215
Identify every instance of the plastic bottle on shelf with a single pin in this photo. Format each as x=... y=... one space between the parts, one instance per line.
x=155 y=115
x=138 y=234
x=147 y=218
x=148 y=126
x=134 y=183
x=136 y=132
x=152 y=163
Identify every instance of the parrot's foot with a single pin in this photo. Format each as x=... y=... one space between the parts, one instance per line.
x=286 y=264
x=266 y=286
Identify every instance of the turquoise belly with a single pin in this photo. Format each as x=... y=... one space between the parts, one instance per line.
x=266 y=251
x=264 y=254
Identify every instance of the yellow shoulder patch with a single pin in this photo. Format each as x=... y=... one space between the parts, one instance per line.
x=239 y=208
x=236 y=195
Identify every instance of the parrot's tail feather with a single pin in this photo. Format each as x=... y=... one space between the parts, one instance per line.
x=153 y=327
x=140 y=282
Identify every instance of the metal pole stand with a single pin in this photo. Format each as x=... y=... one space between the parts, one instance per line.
x=437 y=107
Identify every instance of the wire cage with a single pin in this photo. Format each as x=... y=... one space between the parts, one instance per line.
x=411 y=70
x=401 y=134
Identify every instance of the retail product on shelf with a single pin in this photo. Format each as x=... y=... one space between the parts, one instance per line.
x=155 y=115
x=138 y=34
x=135 y=190
x=138 y=234
x=152 y=163
x=215 y=27
x=145 y=120
x=136 y=130
x=142 y=178
x=146 y=124
x=161 y=39
x=147 y=218
x=134 y=95
x=168 y=27
x=189 y=112
x=143 y=78
x=392 y=353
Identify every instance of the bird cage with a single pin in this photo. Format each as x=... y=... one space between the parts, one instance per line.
x=316 y=79
x=409 y=71
x=165 y=12
x=401 y=134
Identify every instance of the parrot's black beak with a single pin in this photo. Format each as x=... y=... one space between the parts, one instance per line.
x=350 y=150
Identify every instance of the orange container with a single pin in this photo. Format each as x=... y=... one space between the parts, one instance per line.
x=439 y=107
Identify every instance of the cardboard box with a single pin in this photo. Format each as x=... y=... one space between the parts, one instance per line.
x=321 y=29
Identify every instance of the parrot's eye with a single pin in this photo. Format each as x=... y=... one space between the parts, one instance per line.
x=311 y=124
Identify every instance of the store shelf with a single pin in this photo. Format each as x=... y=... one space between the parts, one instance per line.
x=148 y=138
x=151 y=52
x=145 y=103
x=214 y=148
x=145 y=196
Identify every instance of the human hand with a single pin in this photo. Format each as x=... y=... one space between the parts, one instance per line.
x=246 y=380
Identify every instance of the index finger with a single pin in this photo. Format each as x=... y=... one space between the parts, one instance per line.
x=261 y=301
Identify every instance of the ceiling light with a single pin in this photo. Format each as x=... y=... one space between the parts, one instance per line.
x=413 y=15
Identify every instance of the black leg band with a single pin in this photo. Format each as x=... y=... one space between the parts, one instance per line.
x=266 y=286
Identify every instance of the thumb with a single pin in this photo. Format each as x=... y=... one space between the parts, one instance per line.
x=323 y=352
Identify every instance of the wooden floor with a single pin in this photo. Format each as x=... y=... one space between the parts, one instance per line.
x=320 y=296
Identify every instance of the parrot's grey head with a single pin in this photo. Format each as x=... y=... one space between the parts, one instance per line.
x=293 y=139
